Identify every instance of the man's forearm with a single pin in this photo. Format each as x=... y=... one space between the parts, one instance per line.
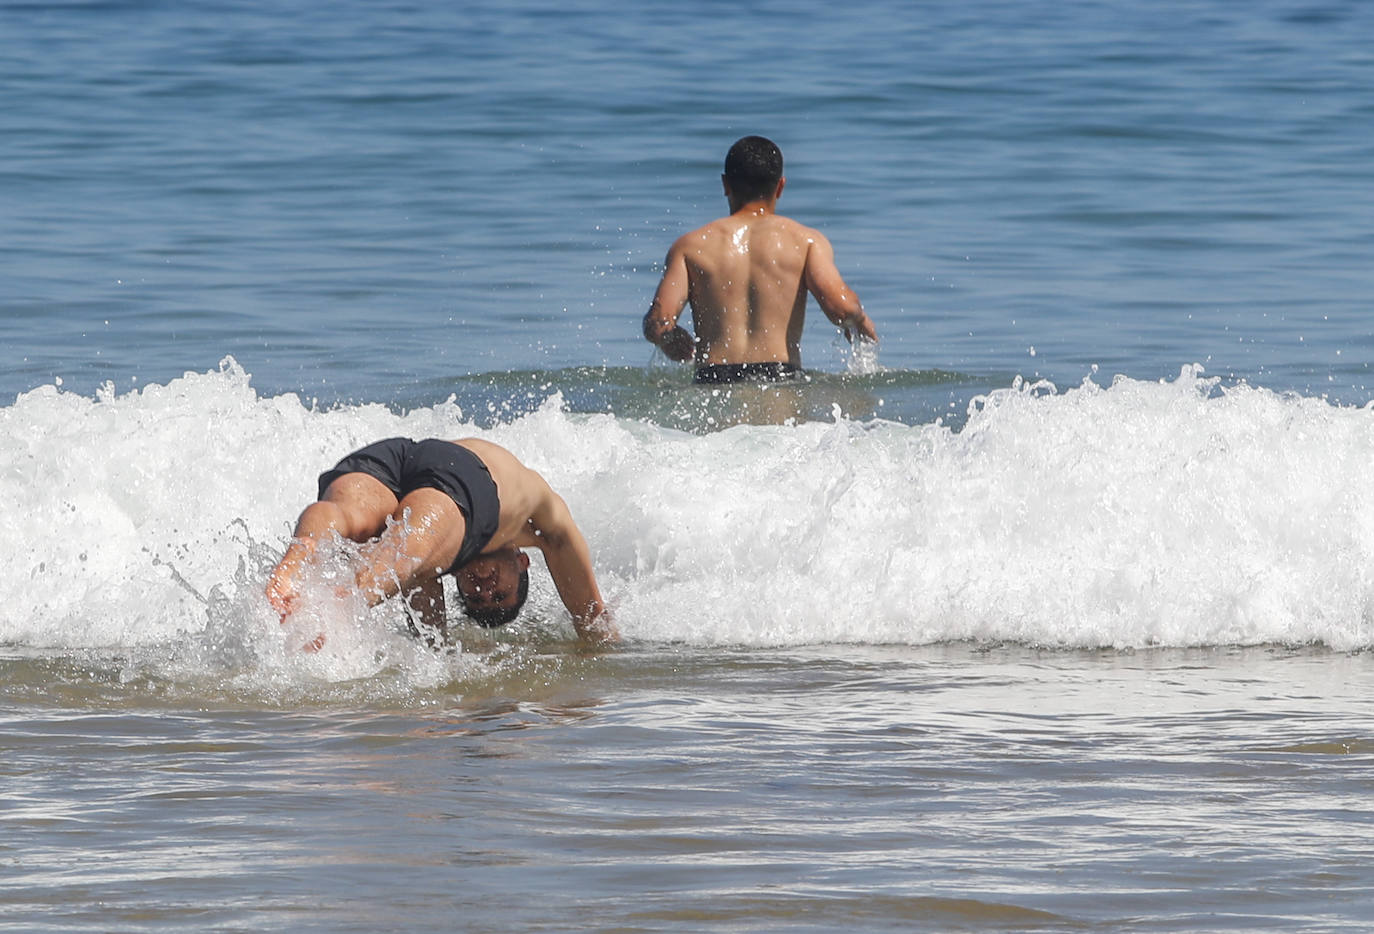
x=316 y=521
x=570 y=566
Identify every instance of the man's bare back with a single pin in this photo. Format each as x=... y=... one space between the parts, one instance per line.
x=746 y=277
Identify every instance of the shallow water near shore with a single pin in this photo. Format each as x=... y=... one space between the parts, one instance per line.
x=661 y=787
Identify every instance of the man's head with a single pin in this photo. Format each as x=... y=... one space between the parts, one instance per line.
x=493 y=587
x=753 y=168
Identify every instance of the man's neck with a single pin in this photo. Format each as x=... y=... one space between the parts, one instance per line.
x=757 y=208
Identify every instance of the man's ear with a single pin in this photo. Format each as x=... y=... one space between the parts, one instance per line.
x=523 y=560
x=725 y=186
x=782 y=183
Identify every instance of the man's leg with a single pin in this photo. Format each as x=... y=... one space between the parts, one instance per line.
x=355 y=506
x=422 y=541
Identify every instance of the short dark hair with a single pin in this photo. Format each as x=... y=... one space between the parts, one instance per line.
x=752 y=167
x=492 y=617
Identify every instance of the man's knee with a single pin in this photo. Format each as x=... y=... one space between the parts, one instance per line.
x=426 y=507
x=358 y=505
x=431 y=525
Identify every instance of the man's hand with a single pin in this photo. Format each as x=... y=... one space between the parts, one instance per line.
x=599 y=629
x=678 y=345
x=862 y=325
x=281 y=590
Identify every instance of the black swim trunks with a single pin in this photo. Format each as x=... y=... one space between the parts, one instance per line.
x=405 y=465
x=772 y=371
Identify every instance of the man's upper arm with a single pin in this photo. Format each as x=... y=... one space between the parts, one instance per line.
x=823 y=280
x=569 y=559
x=670 y=297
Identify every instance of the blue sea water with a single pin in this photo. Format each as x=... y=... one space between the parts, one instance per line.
x=1085 y=553
x=362 y=200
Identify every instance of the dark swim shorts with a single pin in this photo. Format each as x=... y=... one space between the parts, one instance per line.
x=772 y=371
x=405 y=465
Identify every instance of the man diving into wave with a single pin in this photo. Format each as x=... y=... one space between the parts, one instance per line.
x=423 y=509
x=746 y=276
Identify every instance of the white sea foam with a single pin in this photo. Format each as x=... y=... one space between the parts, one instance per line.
x=1170 y=513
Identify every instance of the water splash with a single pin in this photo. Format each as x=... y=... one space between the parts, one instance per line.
x=1178 y=512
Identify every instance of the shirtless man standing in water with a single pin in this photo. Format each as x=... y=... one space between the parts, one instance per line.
x=423 y=509
x=746 y=276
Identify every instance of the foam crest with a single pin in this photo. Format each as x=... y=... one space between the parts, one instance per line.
x=1170 y=513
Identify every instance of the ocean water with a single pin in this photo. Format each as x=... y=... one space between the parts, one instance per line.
x=1052 y=613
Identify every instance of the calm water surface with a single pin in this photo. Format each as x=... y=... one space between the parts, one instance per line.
x=355 y=198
